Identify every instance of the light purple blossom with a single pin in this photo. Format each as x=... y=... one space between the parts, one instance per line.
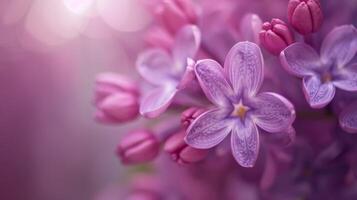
x=239 y=108
x=168 y=73
x=333 y=68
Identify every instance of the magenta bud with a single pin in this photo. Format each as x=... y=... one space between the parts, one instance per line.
x=145 y=187
x=275 y=36
x=159 y=37
x=181 y=152
x=305 y=15
x=174 y=14
x=116 y=98
x=143 y=195
x=189 y=115
x=138 y=147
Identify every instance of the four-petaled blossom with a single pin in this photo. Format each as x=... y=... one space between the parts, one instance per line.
x=322 y=74
x=168 y=73
x=239 y=108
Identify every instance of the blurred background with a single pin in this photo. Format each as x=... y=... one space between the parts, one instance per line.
x=50 y=53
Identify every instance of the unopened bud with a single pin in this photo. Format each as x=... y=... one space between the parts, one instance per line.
x=189 y=115
x=138 y=147
x=275 y=36
x=181 y=152
x=116 y=98
x=174 y=14
x=305 y=15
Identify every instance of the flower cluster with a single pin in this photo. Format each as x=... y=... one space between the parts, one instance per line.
x=212 y=70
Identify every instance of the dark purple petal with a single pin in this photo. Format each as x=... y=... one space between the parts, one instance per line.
x=300 y=59
x=155 y=66
x=213 y=82
x=209 y=129
x=348 y=118
x=244 y=67
x=318 y=94
x=347 y=78
x=157 y=101
x=273 y=113
x=340 y=45
x=245 y=142
x=186 y=45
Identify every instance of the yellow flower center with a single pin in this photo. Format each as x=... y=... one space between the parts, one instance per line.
x=326 y=77
x=240 y=110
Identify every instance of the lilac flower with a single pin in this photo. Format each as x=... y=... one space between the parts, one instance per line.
x=239 y=108
x=168 y=73
x=332 y=69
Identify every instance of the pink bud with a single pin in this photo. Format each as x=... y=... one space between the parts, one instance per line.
x=145 y=187
x=275 y=36
x=174 y=14
x=159 y=37
x=142 y=195
x=138 y=147
x=189 y=115
x=305 y=15
x=116 y=98
x=181 y=152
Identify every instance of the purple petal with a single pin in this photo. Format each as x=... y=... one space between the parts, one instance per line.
x=157 y=101
x=250 y=27
x=348 y=118
x=300 y=59
x=244 y=67
x=245 y=143
x=273 y=113
x=186 y=45
x=340 y=45
x=347 y=78
x=318 y=94
x=213 y=82
x=209 y=129
x=188 y=76
x=155 y=66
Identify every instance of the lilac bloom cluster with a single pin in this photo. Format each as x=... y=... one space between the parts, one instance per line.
x=211 y=70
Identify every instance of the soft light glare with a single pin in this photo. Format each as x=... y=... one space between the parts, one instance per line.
x=79 y=7
x=51 y=22
x=123 y=15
